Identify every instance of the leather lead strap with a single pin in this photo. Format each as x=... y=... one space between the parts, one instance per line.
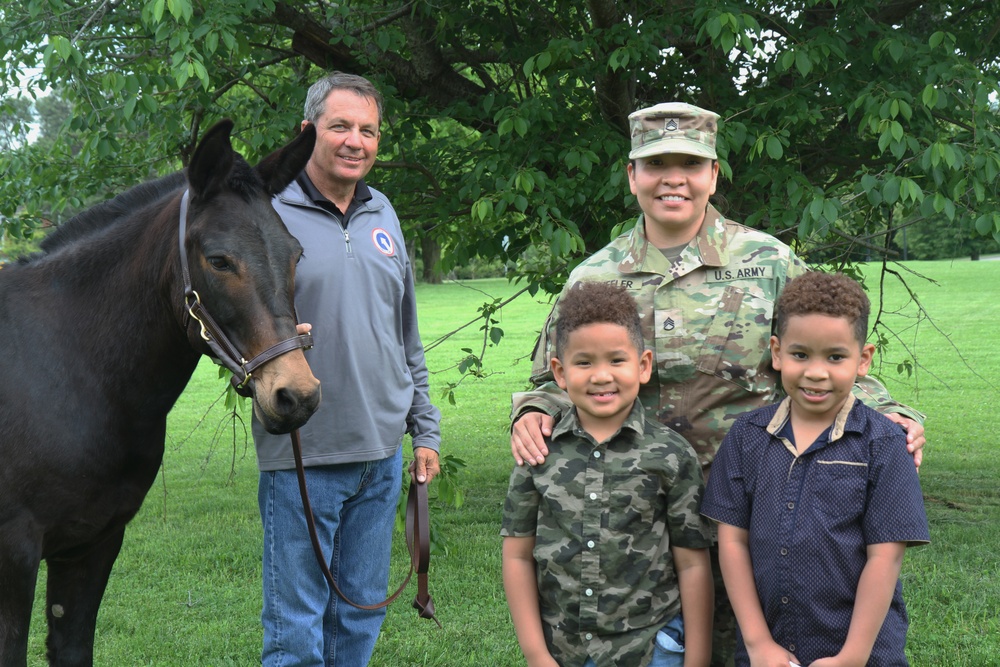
x=417 y=541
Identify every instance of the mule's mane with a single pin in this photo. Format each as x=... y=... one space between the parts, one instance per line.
x=112 y=210
x=242 y=180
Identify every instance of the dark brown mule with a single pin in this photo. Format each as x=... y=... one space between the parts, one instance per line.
x=97 y=346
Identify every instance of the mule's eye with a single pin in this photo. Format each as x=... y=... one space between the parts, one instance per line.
x=220 y=263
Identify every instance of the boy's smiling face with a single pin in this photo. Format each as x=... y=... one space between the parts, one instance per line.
x=819 y=358
x=601 y=370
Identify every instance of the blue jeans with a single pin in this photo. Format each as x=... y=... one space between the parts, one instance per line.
x=305 y=623
x=668 y=649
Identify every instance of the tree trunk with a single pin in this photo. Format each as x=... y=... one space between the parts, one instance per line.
x=430 y=251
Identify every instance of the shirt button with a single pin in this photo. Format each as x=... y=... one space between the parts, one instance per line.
x=590 y=544
x=791 y=647
x=784 y=600
x=784 y=551
x=589 y=592
x=588 y=636
x=791 y=505
x=593 y=496
x=597 y=455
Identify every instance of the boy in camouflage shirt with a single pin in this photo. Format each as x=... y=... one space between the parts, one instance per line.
x=603 y=542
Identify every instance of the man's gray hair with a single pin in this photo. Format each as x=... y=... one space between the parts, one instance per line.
x=319 y=91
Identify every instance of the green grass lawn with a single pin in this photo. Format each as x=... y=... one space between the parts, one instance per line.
x=186 y=588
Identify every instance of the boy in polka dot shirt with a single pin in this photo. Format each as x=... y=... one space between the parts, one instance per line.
x=816 y=498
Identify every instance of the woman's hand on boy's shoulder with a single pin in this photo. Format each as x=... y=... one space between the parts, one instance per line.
x=527 y=437
x=915 y=439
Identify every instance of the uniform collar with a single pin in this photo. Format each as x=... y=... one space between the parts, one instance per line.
x=708 y=248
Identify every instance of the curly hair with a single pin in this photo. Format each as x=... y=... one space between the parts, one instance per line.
x=597 y=303
x=832 y=294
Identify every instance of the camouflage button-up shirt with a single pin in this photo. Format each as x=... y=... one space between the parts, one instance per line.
x=604 y=517
x=707 y=318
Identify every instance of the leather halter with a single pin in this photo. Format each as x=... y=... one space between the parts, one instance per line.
x=222 y=348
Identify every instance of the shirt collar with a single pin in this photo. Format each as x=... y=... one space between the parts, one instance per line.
x=842 y=423
x=361 y=191
x=707 y=248
x=569 y=424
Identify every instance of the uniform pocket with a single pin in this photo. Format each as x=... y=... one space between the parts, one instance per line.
x=738 y=337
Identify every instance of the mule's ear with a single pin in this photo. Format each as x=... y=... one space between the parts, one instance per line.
x=212 y=161
x=281 y=167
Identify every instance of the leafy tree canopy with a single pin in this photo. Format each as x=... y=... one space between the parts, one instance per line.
x=506 y=120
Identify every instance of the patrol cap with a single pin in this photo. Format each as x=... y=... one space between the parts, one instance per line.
x=673 y=127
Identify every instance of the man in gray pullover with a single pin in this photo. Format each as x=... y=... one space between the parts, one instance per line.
x=354 y=285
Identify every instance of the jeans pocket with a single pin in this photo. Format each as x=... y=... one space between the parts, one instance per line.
x=668 y=649
x=665 y=642
x=670 y=637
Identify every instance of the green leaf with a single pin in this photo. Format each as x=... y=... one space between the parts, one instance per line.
x=774 y=148
x=816 y=208
x=896 y=50
x=202 y=74
x=728 y=40
x=544 y=60
x=984 y=224
x=786 y=61
x=929 y=96
x=802 y=62
x=890 y=191
x=528 y=67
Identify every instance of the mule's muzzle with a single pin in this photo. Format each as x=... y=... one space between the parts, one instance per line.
x=285 y=408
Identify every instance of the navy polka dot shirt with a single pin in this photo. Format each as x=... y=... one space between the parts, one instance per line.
x=810 y=518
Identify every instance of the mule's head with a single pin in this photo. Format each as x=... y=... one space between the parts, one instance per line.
x=242 y=264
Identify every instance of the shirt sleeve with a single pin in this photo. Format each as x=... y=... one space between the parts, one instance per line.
x=685 y=525
x=894 y=510
x=727 y=496
x=520 y=508
x=424 y=419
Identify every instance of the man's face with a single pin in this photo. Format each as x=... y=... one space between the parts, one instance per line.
x=347 y=137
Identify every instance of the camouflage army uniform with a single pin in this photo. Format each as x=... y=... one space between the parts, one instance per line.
x=604 y=517
x=707 y=319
